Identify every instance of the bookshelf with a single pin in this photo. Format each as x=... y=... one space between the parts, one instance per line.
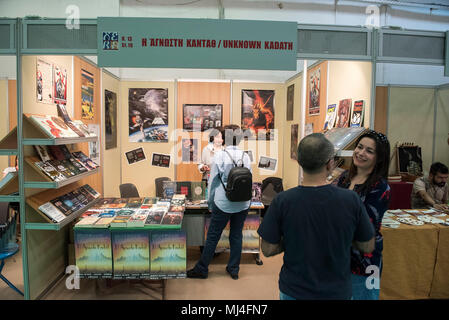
x=8 y=145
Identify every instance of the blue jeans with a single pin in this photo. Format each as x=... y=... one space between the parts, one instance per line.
x=360 y=290
x=283 y=296
x=218 y=222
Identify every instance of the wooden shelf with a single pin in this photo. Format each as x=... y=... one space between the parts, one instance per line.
x=37 y=220
x=12 y=186
x=37 y=179
x=34 y=135
x=8 y=145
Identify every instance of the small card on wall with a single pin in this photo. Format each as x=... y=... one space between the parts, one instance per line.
x=134 y=156
x=267 y=163
x=160 y=160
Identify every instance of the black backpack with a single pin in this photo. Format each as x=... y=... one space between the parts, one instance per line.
x=240 y=182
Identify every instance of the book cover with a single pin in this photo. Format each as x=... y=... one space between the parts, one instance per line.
x=81 y=197
x=89 y=197
x=83 y=128
x=137 y=220
x=75 y=129
x=168 y=254
x=93 y=253
x=169 y=188
x=172 y=218
x=120 y=221
x=87 y=222
x=62 y=112
x=357 y=115
x=52 y=212
x=198 y=190
x=65 y=151
x=343 y=113
x=86 y=161
x=134 y=203
x=91 y=190
x=176 y=208
x=64 y=129
x=126 y=212
x=155 y=217
x=58 y=165
x=78 y=165
x=91 y=213
x=50 y=171
x=46 y=125
x=71 y=201
x=184 y=187
x=61 y=206
x=256 y=192
x=68 y=164
x=131 y=252
x=42 y=151
x=56 y=152
x=148 y=202
x=330 y=116
x=103 y=222
x=105 y=202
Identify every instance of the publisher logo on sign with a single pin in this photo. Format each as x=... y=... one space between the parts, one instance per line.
x=110 y=40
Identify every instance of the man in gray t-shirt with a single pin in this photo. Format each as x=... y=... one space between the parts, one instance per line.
x=432 y=190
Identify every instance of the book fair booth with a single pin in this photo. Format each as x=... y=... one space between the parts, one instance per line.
x=108 y=177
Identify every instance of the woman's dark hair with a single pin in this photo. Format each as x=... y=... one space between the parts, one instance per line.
x=380 y=170
x=214 y=132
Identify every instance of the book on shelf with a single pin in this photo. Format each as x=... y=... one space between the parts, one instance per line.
x=71 y=201
x=89 y=197
x=56 y=152
x=58 y=165
x=62 y=113
x=52 y=212
x=138 y=219
x=50 y=171
x=87 y=222
x=91 y=213
x=42 y=151
x=81 y=197
x=86 y=161
x=172 y=218
x=134 y=203
x=184 y=187
x=83 y=128
x=198 y=190
x=91 y=190
x=68 y=164
x=54 y=126
x=357 y=114
x=61 y=206
x=79 y=166
x=331 y=113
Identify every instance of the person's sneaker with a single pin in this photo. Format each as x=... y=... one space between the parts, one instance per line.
x=234 y=276
x=192 y=273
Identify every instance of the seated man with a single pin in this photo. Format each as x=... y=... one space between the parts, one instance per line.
x=432 y=191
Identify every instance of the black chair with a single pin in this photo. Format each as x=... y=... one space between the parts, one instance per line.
x=159 y=182
x=128 y=190
x=8 y=245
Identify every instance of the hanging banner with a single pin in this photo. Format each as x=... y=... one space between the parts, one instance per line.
x=196 y=43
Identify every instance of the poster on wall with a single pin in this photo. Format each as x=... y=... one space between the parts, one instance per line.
x=314 y=92
x=135 y=155
x=201 y=117
x=267 y=163
x=290 y=99
x=44 y=81
x=308 y=129
x=331 y=113
x=94 y=147
x=358 y=113
x=294 y=142
x=409 y=160
x=148 y=115
x=87 y=95
x=160 y=160
x=59 y=85
x=110 y=119
x=344 y=109
x=189 y=150
x=258 y=113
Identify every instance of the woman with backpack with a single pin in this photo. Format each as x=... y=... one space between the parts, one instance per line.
x=229 y=199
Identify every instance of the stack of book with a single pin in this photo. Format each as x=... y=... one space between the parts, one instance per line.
x=59 y=164
x=59 y=208
x=57 y=127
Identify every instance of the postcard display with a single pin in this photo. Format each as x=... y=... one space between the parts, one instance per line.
x=132 y=238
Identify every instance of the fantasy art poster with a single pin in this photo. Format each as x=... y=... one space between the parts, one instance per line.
x=148 y=115
x=60 y=85
x=314 y=92
x=343 y=113
x=110 y=121
x=87 y=95
x=258 y=114
x=44 y=81
x=201 y=117
x=294 y=142
x=290 y=100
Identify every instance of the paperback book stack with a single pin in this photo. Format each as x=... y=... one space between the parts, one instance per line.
x=59 y=164
x=63 y=206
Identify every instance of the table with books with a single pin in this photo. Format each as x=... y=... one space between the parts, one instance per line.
x=132 y=238
x=415 y=254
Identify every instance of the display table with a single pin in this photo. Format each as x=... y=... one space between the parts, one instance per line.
x=415 y=262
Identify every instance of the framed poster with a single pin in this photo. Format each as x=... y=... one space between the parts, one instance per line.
x=148 y=115
x=44 y=81
x=267 y=163
x=189 y=150
x=314 y=91
x=343 y=112
x=87 y=95
x=110 y=119
x=59 y=85
x=258 y=114
x=135 y=155
x=290 y=100
x=160 y=160
x=94 y=147
x=294 y=142
x=201 y=117
x=409 y=160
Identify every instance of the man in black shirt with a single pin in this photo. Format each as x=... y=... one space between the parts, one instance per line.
x=315 y=224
